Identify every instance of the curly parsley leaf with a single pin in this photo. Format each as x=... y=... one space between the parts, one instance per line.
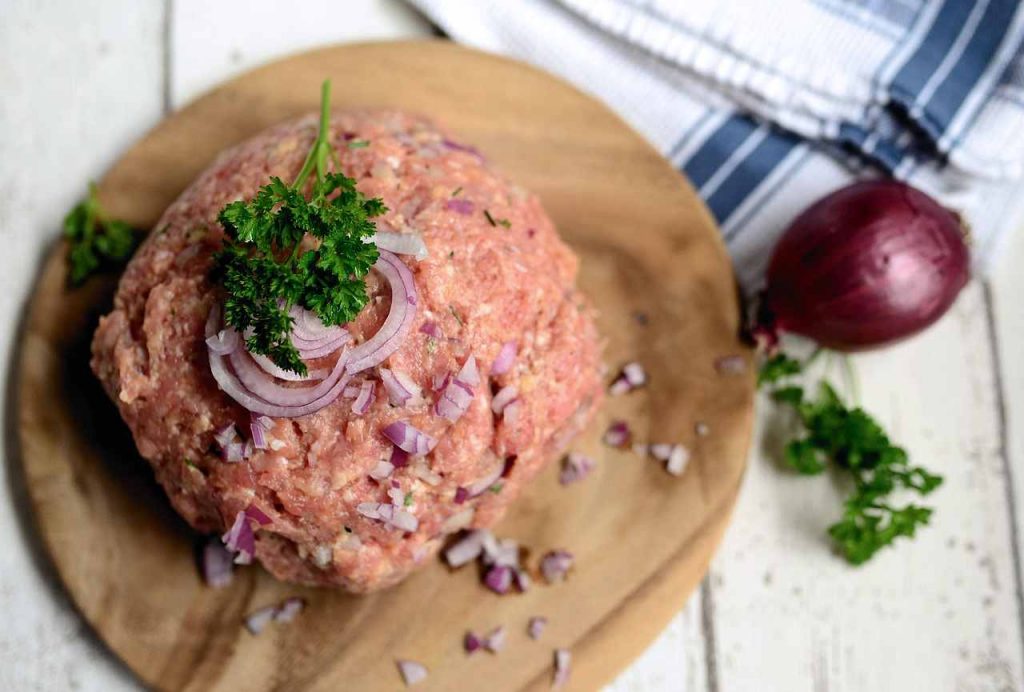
x=778 y=367
x=266 y=266
x=95 y=240
x=851 y=440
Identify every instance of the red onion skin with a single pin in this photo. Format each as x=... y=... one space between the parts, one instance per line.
x=865 y=266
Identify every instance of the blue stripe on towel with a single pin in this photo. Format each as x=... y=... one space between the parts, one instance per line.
x=717 y=148
x=963 y=78
x=915 y=72
x=734 y=160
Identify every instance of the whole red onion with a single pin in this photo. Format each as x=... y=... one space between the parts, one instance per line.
x=867 y=265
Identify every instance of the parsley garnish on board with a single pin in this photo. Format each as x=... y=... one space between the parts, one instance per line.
x=265 y=269
x=94 y=239
x=852 y=440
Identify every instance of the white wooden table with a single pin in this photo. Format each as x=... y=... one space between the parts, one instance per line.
x=80 y=81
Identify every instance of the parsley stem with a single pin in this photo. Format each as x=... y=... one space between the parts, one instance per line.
x=317 y=155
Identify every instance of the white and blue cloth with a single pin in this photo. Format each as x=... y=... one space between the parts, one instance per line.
x=767 y=105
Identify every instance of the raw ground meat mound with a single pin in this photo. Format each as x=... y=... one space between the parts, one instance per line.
x=483 y=284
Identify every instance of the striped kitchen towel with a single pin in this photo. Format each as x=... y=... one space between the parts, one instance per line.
x=768 y=104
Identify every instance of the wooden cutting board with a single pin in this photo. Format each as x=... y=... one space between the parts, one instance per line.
x=654 y=264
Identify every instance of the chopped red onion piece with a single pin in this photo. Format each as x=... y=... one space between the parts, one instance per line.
x=503 y=553
x=521 y=579
x=412 y=672
x=401 y=243
x=233 y=452
x=432 y=329
x=365 y=399
x=510 y=414
x=536 y=626
x=399 y=457
x=289 y=609
x=481 y=486
x=239 y=539
x=618 y=434
x=471 y=642
x=495 y=639
x=460 y=206
x=676 y=463
x=404 y=521
x=254 y=513
x=620 y=386
x=470 y=373
x=396 y=495
x=555 y=565
x=401 y=389
x=731 y=365
x=216 y=564
x=370 y=510
x=504 y=397
x=266 y=422
x=225 y=435
x=635 y=374
x=409 y=438
x=575 y=468
x=661 y=451
x=454 y=401
x=461 y=495
x=466 y=549
x=257 y=620
x=223 y=342
x=389 y=514
x=499 y=579
x=505 y=358
x=440 y=381
x=351 y=392
x=563 y=663
x=259 y=435
x=399 y=320
x=382 y=470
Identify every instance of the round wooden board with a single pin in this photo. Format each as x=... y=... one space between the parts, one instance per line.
x=642 y=538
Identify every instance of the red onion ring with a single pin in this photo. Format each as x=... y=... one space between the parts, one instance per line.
x=399 y=320
x=364 y=400
x=223 y=342
x=271 y=368
x=257 y=382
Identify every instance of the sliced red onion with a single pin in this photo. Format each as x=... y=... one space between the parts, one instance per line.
x=266 y=422
x=412 y=672
x=461 y=495
x=471 y=642
x=257 y=382
x=259 y=435
x=364 y=400
x=460 y=206
x=400 y=387
x=399 y=457
x=258 y=620
x=504 y=397
x=382 y=470
x=226 y=435
x=268 y=366
x=495 y=639
x=575 y=468
x=216 y=564
x=536 y=626
x=498 y=579
x=233 y=452
x=351 y=392
x=731 y=365
x=563 y=667
x=618 y=434
x=223 y=342
x=486 y=482
x=555 y=565
x=505 y=359
x=661 y=451
x=401 y=243
x=289 y=609
x=409 y=438
x=676 y=463
x=399 y=320
x=322 y=348
x=432 y=329
x=510 y=414
x=467 y=548
x=231 y=386
x=307 y=325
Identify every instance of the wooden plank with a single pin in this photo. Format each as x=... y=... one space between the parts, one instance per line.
x=80 y=81
x=214 y=41
x=937 y=613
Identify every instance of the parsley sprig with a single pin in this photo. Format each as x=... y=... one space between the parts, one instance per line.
x=853 y=441
x=95 y=240
x=265 y=268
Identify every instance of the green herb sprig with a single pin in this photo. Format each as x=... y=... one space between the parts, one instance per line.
x=95 y=240
x=851 y=440
x=264 y=268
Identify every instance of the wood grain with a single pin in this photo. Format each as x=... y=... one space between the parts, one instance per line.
x=642 y=538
